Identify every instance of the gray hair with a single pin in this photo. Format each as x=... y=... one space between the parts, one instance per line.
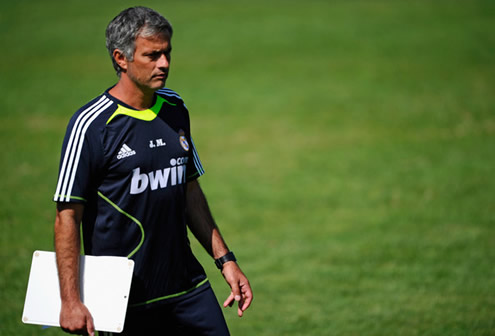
x=132 y=22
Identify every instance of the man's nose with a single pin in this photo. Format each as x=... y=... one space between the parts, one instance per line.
x=163 y=61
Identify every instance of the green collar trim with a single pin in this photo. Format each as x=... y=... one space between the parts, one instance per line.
x=146 y=115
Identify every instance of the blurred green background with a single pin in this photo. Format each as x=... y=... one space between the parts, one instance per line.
x=349 y=149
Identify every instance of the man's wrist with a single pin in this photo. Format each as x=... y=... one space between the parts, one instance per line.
x=224 y=259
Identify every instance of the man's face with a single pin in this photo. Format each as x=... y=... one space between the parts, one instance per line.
x=150 y=66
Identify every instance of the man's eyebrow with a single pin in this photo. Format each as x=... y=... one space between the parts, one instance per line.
x=166 y=50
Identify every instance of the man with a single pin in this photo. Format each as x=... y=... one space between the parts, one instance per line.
x=129 y=172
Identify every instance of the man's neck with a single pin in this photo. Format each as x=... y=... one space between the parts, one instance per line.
x=134 y=96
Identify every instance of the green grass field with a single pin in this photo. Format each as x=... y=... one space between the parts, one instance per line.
x=349 y=149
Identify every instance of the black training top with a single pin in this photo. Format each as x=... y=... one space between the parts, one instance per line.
x=129 y=168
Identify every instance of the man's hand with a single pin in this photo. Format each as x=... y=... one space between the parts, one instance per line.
x=75 y=318
x=239 y=284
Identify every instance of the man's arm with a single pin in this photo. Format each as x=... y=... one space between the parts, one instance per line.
x=202 y=225
x=74 y=316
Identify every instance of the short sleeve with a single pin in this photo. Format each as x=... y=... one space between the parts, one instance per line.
x=80 y=161
x=194 y=166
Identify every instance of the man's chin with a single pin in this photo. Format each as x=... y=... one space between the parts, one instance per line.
x=157 y=85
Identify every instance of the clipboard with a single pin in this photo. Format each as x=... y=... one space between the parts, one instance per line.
x=105 y=284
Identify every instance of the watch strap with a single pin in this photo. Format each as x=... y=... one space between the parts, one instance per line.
x=222 y=260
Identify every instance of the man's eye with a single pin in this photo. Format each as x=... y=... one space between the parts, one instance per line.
x=156 y=55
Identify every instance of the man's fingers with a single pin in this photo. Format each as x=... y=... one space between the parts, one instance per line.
x=236 y=291
x=247 y=297
x=240 y=312
x=230 y=300
x=75 y=318
x=243 y=305
x=246 y=303
x=239 y=307
x=90 y=326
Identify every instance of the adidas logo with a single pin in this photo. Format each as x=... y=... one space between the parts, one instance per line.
x=125 y=151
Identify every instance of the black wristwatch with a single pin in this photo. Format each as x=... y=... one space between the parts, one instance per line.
x=222 y=260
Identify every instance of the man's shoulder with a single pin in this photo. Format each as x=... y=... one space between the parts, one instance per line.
x=170 y=96
x=94 y=112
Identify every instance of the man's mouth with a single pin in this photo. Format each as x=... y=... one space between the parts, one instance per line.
x=160 y=76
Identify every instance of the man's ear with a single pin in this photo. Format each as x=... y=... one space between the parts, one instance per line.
x=120 y=58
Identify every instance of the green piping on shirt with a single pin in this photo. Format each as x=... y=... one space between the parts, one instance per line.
x=72 y=197
x=131 y=218
x=146 y=115
x=171 y=295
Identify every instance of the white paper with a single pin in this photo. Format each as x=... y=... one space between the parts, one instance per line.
x=105 y=285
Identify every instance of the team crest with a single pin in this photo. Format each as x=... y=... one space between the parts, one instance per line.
x=184 y=143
